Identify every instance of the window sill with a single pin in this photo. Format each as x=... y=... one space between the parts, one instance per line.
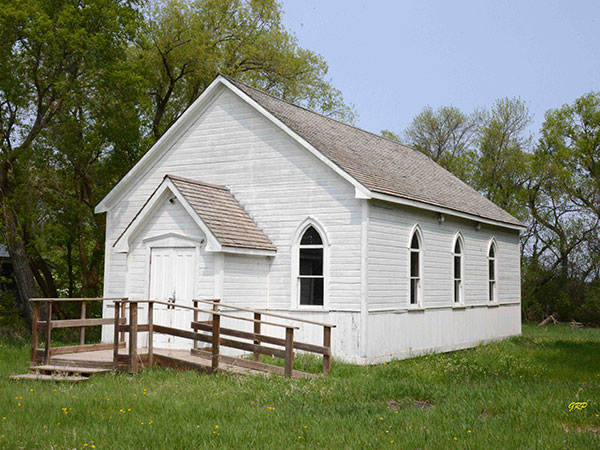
x=415 y=308
x=310 y=308
x=459 y=306
x=493 y=304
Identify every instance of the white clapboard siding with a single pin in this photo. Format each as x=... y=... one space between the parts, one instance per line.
x=277 y=182
x=388 y=255
x=245 y=280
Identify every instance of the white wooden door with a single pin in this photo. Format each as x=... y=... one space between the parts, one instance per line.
x=172 y=279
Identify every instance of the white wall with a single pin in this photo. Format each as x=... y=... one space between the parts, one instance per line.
x=388 y=255
x=396 y=331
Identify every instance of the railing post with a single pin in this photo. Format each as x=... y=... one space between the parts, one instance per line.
x=151 y=334
x=82 y=330
x=48 y=332
x=123 y=315
x=133 y=328
x=216 y=335
x=289 y=351
x=257 y=318
x=195 y=343
x=116 y=334
x=35 y=318
x=327 y=344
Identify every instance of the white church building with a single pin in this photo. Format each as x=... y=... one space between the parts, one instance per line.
x=265 y=204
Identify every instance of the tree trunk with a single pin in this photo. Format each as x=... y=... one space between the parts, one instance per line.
x=24 y=277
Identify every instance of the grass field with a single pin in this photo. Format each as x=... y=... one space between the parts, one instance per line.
x=511 y=394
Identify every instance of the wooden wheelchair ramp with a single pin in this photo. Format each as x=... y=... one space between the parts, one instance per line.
x=79 y=362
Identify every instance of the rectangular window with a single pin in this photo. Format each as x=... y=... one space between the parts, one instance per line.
x=311 y=291
x=456 y=291
x=414 y=277
x=414 y=264
x=414 y=289
x=492 y=280
x=311 y=261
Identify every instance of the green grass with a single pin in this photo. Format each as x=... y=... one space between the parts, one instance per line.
x=510 y=394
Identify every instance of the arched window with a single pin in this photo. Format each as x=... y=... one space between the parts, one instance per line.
x=415 y=267
x=458 y=269
x=311 y=277
x=492 y=271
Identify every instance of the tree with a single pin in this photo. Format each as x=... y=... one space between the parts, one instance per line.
x=187 y=43
x=563 y=202
x=503 y=155
x=45 y=46
x=445 y=135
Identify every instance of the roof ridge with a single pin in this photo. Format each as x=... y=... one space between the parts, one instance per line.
x=200 y=183
x=408 y=147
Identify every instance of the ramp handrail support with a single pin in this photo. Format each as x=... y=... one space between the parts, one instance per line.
x=214 y=327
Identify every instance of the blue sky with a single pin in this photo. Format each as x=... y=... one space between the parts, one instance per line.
x=391 y=58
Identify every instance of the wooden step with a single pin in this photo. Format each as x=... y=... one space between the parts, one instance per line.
x=68 y=369
x=43 y=377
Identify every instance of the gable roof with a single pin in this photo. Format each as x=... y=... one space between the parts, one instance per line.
x=216 y=211
x=378 y=168
x=223 y=215
x=380 y=164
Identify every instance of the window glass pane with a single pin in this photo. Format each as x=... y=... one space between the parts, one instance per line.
x=311 y=237
x=491 y=294
x=457 y=246
x=414 y=286
x=311 y=291
x=491 y=269
x=415 y=241
x=311 y=261
x=492 y=252
x=456 y=291
x=457 y=267
x=414 y=264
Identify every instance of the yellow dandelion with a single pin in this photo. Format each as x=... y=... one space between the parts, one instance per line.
x=305 y=427
x=30 y=390
x=387 y=431
x=381 y=418
x=468 y=431
x=455 y=438
x=299 y=437
x=19 y=404
x=129 y=410
x=93 y=446
x=197 y=426
x=216 y=427
x=152 y=421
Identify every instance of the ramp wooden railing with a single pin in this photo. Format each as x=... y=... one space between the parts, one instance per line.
x=212 y=332
x=82 y=323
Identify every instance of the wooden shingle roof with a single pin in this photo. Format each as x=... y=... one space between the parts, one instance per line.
x=222 y=214
x=381 y=165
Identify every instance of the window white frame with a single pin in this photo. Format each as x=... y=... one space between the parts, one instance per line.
x=418 y=283
x=458 y=290
x=295 y=264
x=492 y=275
